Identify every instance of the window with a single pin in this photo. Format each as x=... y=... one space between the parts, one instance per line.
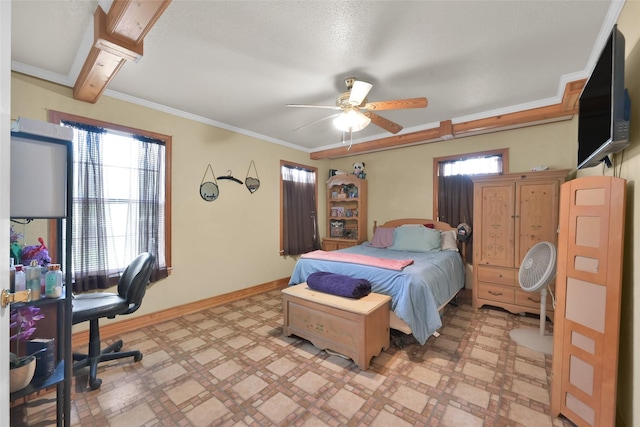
x=472 y=166
x=299 y=207
x=120 y=200
x=453 y=186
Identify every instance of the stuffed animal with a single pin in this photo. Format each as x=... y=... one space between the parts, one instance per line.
x=358 y=170
x=38 y=252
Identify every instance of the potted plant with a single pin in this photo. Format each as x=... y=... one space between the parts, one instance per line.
x=22 y=368
x=15 y=250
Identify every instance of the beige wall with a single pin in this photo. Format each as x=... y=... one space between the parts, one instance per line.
x=232 y=243
x=214 y=242
x=401 y=180
x=218 y=247
x=629 y=168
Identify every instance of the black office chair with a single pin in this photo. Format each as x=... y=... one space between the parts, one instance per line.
x=93 y=306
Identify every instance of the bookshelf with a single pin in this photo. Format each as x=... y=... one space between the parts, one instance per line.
x=346 y=212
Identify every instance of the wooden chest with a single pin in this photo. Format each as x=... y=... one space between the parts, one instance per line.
x=356 y=328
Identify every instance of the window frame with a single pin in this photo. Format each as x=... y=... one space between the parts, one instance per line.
x=503 y=152
x=285 y=163
x=57 y=117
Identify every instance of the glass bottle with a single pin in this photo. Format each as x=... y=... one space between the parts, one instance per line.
x=12 y=276
x=53 y=282
x=33 y=279
x=21 y=279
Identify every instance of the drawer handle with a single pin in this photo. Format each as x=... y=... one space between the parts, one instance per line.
x=537 y=301
x=495 y=294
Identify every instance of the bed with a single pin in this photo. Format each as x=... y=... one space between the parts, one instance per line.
x=419 y=290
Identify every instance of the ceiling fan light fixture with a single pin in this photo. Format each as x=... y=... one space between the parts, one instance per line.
x=357 y=112
x=351 y=121
x=358 y=92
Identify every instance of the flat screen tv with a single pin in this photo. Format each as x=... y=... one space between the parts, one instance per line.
x=605 y=107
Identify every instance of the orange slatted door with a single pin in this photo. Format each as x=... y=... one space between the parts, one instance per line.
x=588 y=287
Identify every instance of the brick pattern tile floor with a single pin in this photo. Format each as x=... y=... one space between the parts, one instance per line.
x=231 y=366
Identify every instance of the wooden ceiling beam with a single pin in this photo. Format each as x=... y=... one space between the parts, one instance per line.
x=446 y=130
x=389 y=143
x=118 y=37
x=132 y=20
x=512 y=120
x=98 y=70
x=572 y=93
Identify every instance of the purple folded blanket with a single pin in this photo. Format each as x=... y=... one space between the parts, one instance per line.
x=339 y=284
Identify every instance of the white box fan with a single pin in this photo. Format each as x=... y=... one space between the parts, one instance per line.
x=537 y=270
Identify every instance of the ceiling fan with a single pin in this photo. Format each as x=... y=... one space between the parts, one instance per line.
x=357 y=112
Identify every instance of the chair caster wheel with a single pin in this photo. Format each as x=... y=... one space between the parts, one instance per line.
x=95 y=384
x=137 y=357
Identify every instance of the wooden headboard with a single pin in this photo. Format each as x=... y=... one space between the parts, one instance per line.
x=438 y=225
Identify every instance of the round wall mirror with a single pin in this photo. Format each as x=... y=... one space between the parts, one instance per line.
x=209 y=191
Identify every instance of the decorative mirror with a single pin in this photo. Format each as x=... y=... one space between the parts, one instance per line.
x=252 y=183
x=209 y=190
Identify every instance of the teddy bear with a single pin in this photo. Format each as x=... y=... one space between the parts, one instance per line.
x=358 y=170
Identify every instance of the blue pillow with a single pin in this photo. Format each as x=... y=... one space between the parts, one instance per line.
x=416 y=238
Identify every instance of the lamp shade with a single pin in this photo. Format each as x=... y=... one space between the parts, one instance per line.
x=38 y=176
x=351 y=121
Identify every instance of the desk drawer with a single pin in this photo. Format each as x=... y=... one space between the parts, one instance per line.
x=488 y=291
x=503 y=276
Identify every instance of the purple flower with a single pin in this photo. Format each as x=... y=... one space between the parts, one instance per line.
x=23 y=319
x=15 y=236
x=15 y=250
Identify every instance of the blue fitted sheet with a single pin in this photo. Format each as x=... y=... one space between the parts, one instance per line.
x=416 y=292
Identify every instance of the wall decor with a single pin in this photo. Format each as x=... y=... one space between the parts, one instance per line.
x=209 y=189
x=230 y=177
x=252 y=183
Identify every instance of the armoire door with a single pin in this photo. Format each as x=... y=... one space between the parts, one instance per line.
x=494 y=209
x=536 y=216
x=588 y=289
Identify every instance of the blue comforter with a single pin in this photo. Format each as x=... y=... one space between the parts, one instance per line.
x=416 y=292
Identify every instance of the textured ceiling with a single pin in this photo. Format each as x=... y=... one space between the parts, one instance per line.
x=236 y=64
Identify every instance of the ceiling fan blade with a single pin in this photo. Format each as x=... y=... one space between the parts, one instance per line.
x=397 y=104
x=329 y=107
x=385 y=124
x=316 y=121
x=359 y=92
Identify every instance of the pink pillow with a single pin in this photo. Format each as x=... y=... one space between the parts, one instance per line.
x=382 y=237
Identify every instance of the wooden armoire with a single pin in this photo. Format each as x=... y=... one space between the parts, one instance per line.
x=511 y=213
